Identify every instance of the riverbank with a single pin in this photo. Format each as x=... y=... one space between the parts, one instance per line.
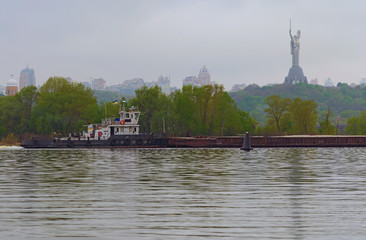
x=17 y=144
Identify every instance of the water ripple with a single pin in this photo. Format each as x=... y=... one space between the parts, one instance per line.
x=299 y=193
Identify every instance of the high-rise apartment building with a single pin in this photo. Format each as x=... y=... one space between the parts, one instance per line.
x=164 y=83
x=98 y=84
x=27 y=78
x=204 y=77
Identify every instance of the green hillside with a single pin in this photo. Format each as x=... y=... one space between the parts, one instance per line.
x=344 y=101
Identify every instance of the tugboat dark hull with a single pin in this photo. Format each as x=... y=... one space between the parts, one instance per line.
x=115 y=141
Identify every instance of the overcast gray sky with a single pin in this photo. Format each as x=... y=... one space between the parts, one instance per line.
x=239 y=41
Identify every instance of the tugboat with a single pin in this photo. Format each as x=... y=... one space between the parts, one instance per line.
x=122 y=132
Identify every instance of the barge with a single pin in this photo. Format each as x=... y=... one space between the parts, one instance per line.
x=270 y=141
x=161 y=141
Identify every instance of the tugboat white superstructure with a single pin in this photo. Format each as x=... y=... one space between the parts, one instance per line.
x=120 y=132
x=126 y=124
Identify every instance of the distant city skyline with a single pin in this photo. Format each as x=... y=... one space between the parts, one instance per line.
x=101 y=84
x=241 y=42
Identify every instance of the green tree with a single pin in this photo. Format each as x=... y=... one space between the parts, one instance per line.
x=276 y=108
x=303 y=115
x=27 y=97
x=286 y=123
x=15 y=112
x=209 y=99
x=326 y=126
x=11 y=116
x=155 y=108
x=226 y=118
x=356 y=125
x=63 y=107
x=208 y=110
x=185 y=117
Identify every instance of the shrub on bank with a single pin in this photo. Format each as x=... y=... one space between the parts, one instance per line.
x=11 y=139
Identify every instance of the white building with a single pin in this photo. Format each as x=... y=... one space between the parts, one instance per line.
x=328 y=83
x=11 y=86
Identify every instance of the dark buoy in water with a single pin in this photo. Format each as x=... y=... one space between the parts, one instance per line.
x=246 y=144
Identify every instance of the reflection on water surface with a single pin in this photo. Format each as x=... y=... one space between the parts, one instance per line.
x=316 y=193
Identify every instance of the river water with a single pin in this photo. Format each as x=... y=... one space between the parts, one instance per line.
x=293 y=193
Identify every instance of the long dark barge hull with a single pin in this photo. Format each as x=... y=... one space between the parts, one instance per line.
x=269 y=141
x=122 y=141
x=154 y=141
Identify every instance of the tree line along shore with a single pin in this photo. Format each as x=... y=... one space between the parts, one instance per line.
x=59 y=106
x=62 y=107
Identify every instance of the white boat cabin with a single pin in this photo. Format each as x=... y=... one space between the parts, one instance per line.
x=126 y=124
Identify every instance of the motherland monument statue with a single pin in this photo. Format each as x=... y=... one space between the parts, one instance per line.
x=295 y=74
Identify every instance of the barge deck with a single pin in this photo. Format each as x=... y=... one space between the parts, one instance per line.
x=270 y=141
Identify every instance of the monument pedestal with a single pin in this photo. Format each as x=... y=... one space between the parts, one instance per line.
x=296 y=75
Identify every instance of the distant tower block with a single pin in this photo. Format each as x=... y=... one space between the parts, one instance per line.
x=204 y=76
x=295 y=75
x=27 y=78
x=11 y=86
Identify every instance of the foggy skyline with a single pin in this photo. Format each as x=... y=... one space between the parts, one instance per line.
x=238 y=41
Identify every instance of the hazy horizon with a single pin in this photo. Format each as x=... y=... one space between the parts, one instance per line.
x=240 y=42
